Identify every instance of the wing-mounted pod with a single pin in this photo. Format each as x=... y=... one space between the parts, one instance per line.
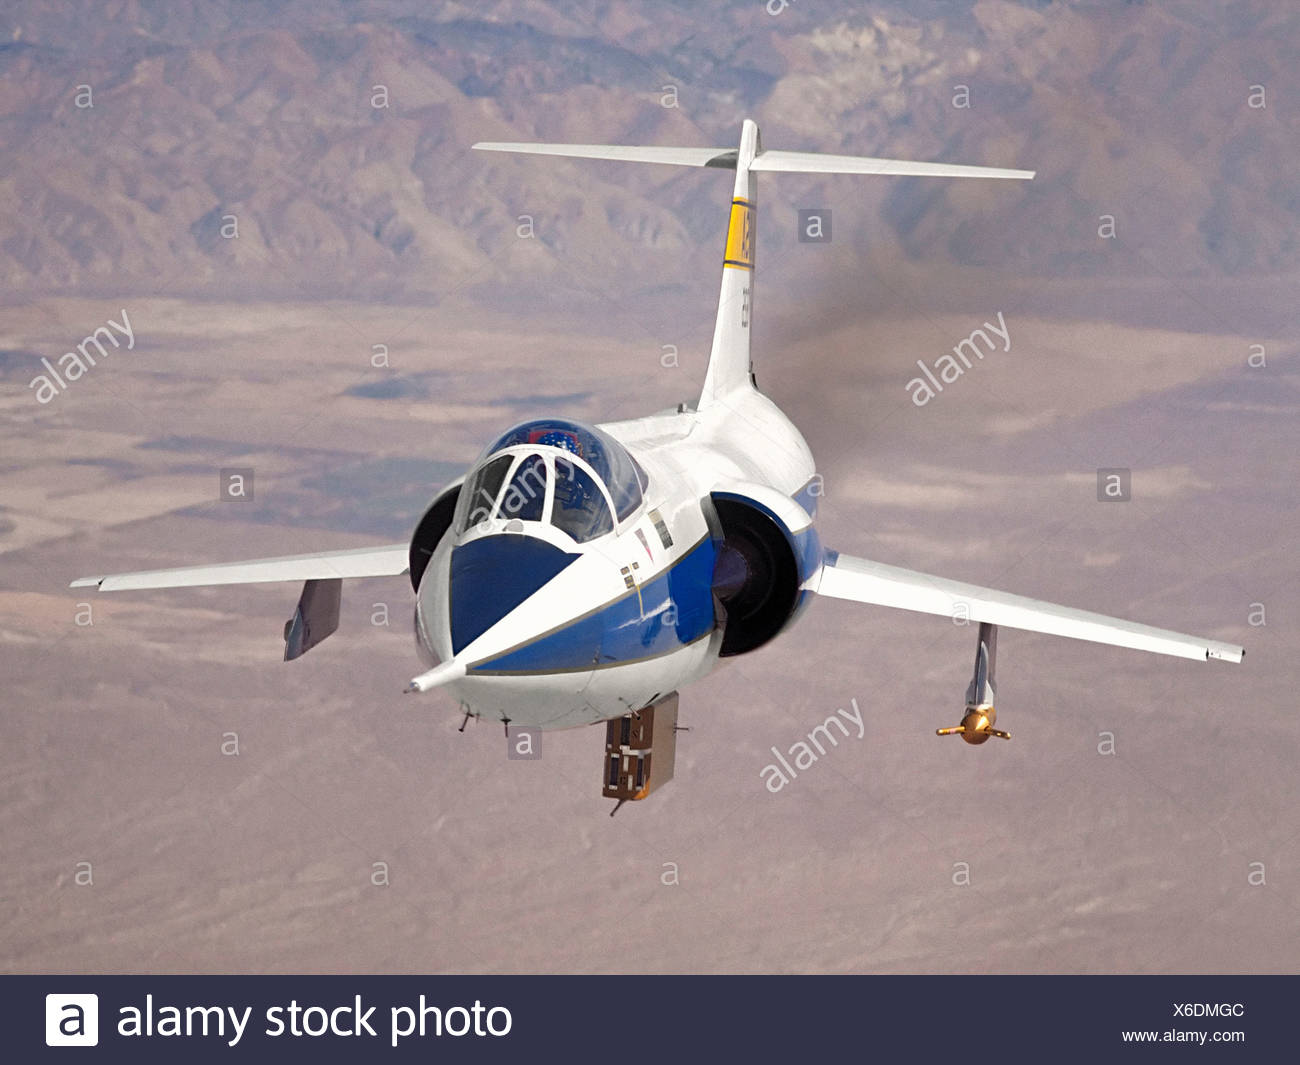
x=431 y=529
x=977 y=723
x=768 y=559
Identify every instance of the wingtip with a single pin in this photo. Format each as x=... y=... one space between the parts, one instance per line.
x=1225 y=653
x=86 y=582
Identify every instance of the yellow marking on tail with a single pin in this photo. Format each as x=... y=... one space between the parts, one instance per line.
x=740 y=236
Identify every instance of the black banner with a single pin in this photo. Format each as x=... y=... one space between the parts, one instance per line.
x=623 y=1019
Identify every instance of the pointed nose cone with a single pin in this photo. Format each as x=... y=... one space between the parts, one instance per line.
x=492 y=575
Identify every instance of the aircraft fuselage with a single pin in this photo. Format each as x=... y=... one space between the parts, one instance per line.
x=555 y=633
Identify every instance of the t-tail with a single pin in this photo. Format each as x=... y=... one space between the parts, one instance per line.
x=730 y=367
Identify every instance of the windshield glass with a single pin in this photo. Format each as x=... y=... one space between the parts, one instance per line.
x=579 y=508
x=605 y=455
x=525 y=495
x=482 y=490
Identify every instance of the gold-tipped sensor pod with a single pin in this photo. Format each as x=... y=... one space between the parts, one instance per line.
x=977 y=723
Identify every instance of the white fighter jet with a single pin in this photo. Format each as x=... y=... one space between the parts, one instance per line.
x=582 y=573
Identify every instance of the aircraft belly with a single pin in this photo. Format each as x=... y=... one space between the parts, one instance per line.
x=560 y=701
x=551 y=701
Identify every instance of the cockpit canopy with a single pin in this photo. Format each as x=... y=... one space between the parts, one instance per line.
x=574 y=476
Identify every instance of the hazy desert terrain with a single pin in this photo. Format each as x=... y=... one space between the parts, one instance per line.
x=362 y=227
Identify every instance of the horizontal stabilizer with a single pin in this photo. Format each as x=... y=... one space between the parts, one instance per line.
x=772 y=162
x=626 y=153
x=389 y=561
x=864 y=581
x=778 y=162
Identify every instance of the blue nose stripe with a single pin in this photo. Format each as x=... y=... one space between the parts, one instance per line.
x=493 y=575
x=674 y=609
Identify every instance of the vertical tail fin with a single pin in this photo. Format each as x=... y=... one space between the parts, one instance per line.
x=729 y=359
